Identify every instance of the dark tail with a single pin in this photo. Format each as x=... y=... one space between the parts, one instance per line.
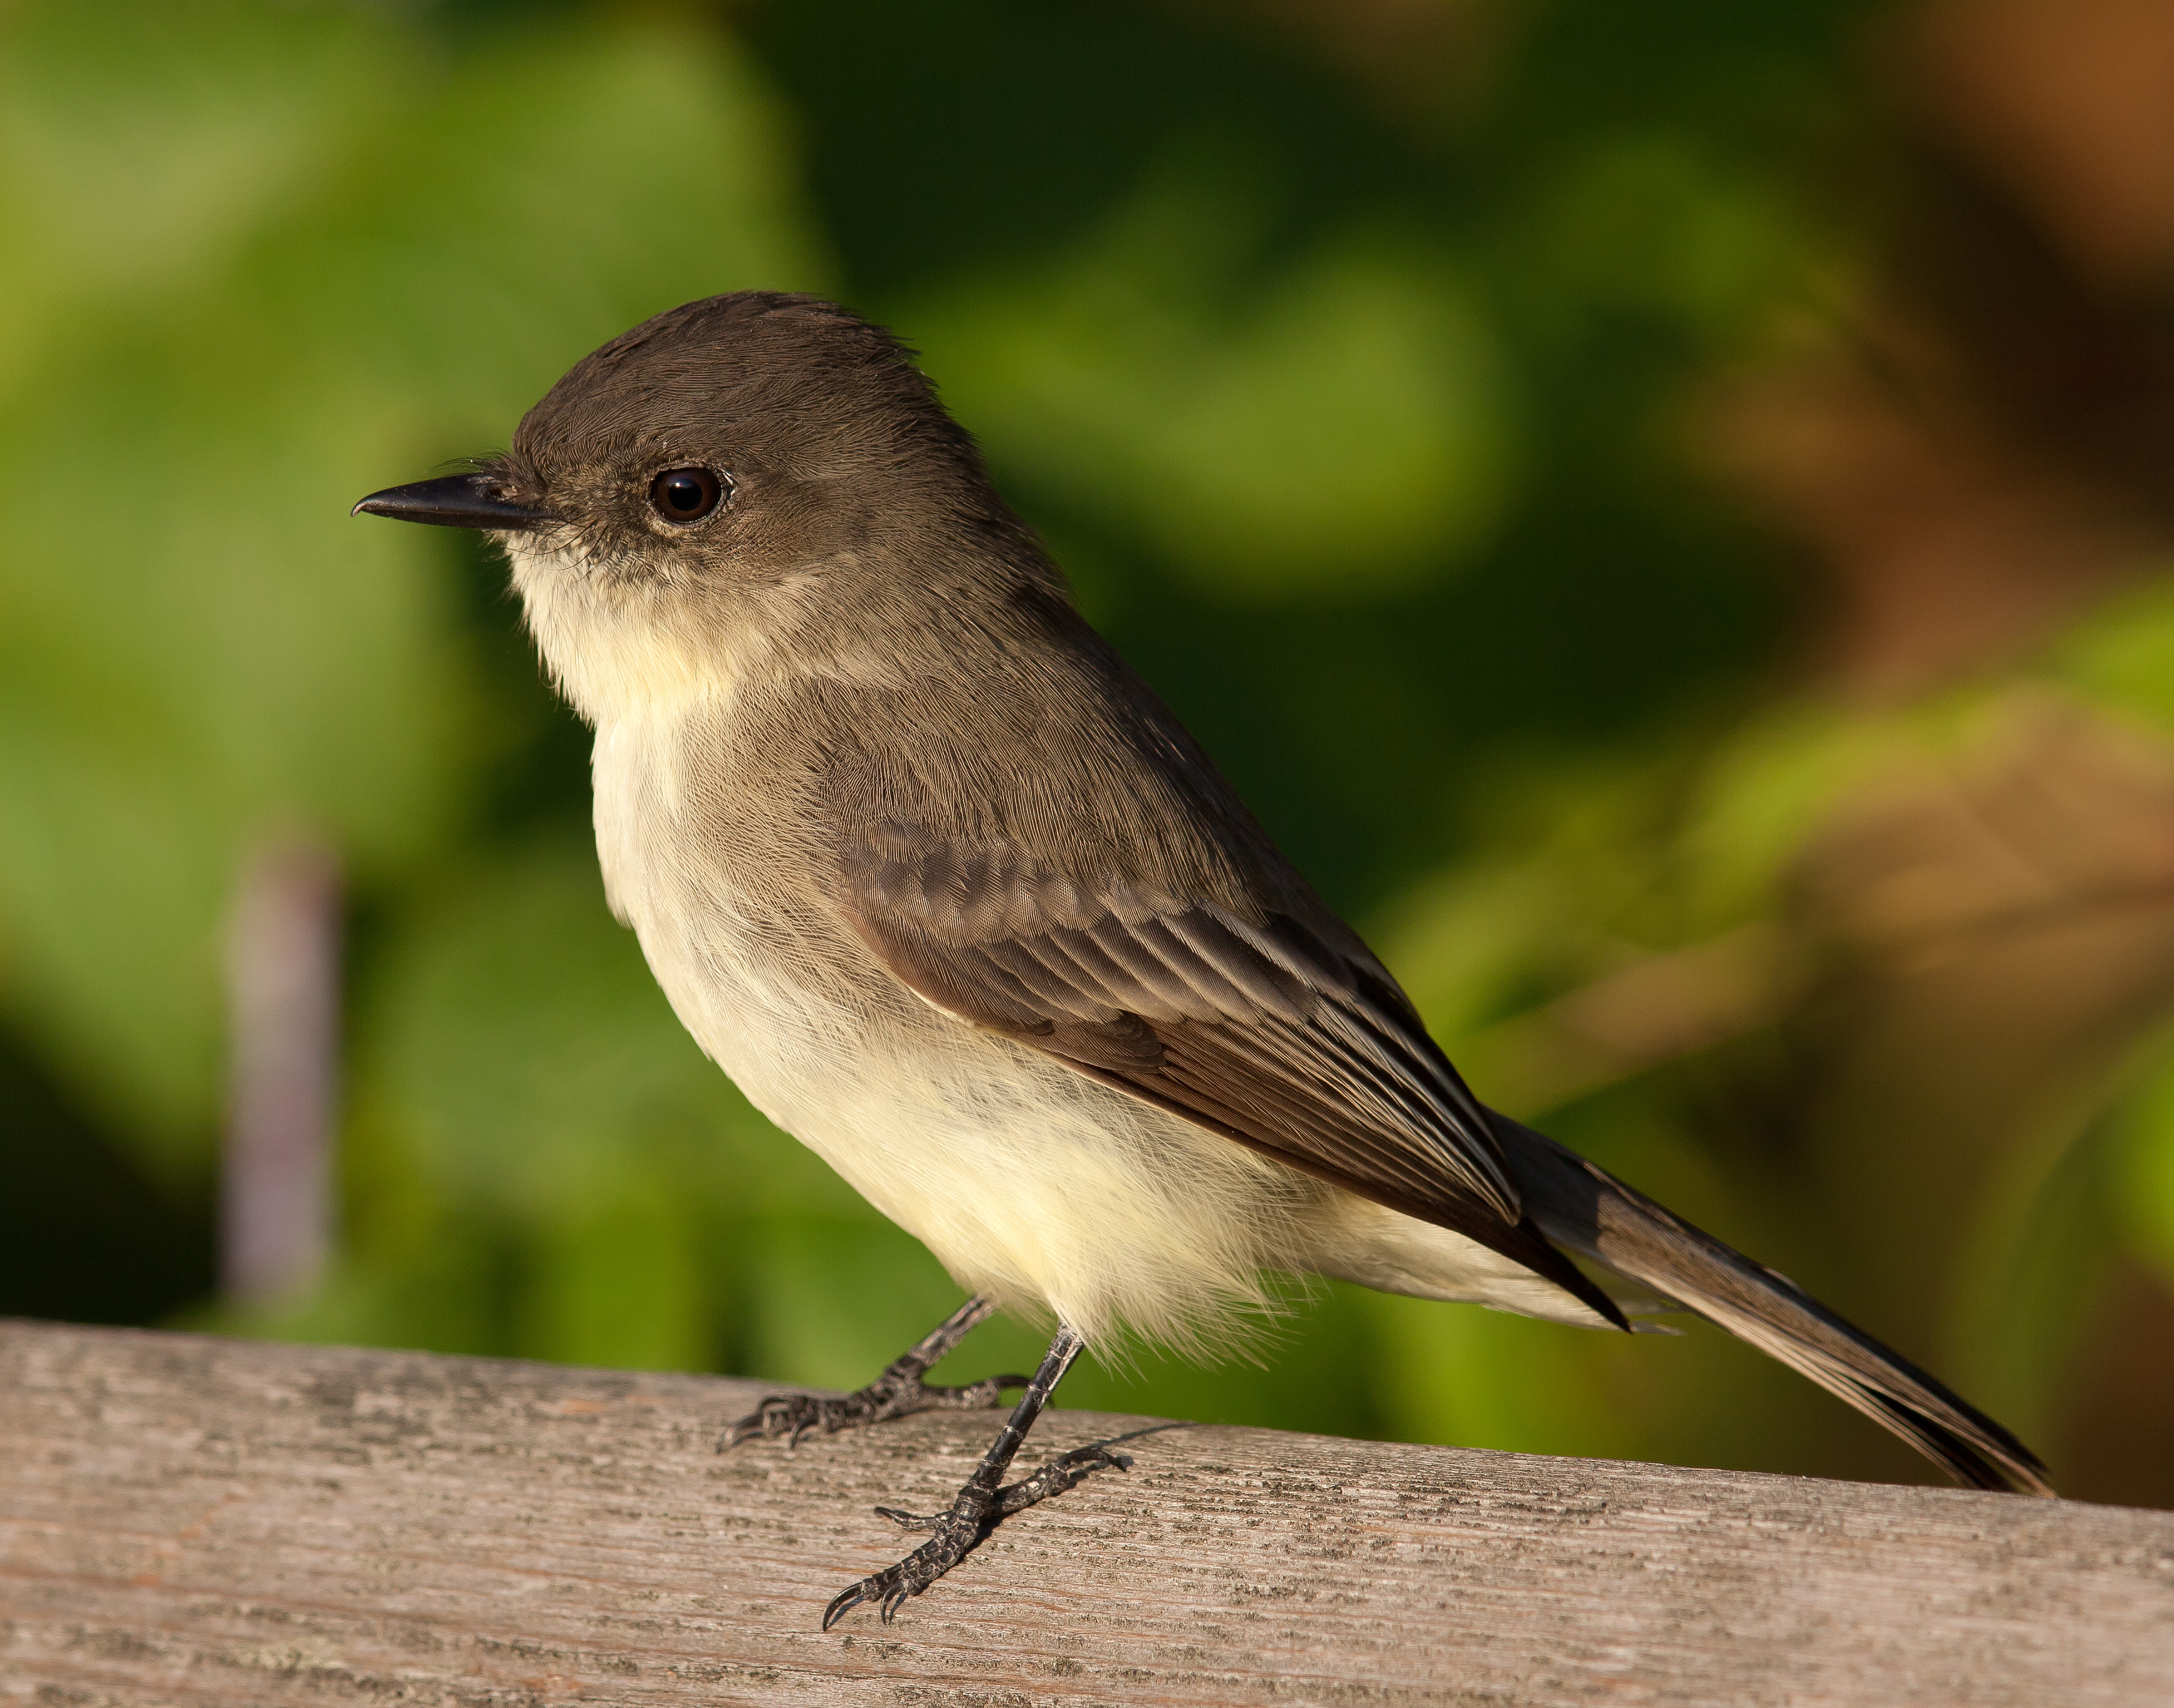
x=1577 y=1205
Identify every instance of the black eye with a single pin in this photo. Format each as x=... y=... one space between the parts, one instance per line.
x=685 y=495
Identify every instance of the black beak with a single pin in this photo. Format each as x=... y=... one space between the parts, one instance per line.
x=456 y=501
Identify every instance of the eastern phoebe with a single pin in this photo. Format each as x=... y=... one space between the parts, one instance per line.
x=930 y=872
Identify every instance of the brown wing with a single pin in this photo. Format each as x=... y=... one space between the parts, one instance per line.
x=1257 y=1028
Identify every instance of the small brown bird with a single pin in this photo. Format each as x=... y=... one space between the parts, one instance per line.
x=933 y=874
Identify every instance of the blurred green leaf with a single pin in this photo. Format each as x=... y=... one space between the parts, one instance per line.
x=137 y=155
x=1657 y=223
x=1335 y=429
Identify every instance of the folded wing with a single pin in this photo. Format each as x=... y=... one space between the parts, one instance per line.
x=1255 y=1027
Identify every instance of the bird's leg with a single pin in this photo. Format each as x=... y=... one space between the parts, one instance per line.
x=983 y=1500
x=898 y=1392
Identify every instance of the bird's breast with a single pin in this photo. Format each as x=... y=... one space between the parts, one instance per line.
x=703 y=860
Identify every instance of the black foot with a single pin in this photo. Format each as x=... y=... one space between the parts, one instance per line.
x=958 y=1532
x=898 y=1392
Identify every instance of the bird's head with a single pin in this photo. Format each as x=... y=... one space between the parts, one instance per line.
x=710 y=484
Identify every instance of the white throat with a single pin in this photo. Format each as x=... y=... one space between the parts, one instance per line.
x=623 y=650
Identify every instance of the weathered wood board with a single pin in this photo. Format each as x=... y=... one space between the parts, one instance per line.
x=191 y=1521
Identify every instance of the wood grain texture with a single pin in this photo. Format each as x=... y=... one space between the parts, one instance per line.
x=191 y=1521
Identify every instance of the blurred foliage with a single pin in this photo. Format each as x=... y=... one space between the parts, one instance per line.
x=1359 y=406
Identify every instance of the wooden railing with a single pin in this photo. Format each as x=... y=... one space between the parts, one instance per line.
x=188 y=1520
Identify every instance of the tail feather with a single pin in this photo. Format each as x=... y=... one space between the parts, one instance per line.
x=1576 y=1204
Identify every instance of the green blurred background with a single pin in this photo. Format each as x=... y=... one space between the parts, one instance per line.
x=1661 y=509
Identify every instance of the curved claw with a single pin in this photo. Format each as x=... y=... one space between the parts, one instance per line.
x=890 y=1590
x=909 y=1520
x=847 y=1600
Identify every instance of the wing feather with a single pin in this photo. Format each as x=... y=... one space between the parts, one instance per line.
x=1254 y=1027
